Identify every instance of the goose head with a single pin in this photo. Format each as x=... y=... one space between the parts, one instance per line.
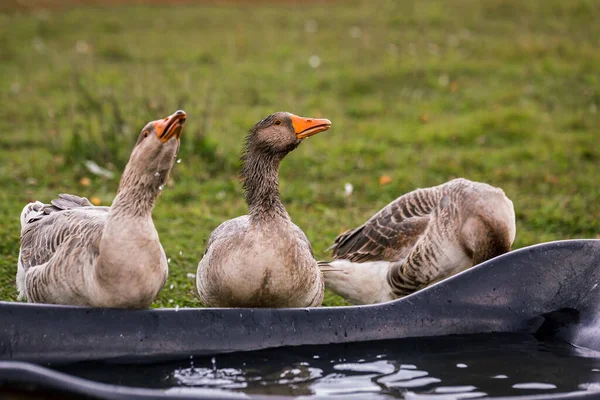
x=156 y=148
x=282 y=132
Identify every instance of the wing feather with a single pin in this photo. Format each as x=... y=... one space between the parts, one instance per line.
x=392 y=232
x=52 y=224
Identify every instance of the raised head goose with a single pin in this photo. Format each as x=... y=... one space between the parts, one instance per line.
x=75 y=253
x=420 y=238
x=263 y=259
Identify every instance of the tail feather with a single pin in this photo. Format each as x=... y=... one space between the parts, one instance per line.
x=325 y=266
x=31 y=212
x=20 y=279
x=359 y=283
x=36 y=210
x=70 y=201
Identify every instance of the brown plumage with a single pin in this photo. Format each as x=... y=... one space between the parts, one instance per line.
x=420 y=238
x=263 y=259
x=75 y=253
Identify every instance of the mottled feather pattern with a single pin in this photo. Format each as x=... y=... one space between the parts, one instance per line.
x=390 y=232
x=41 y=236
x=52 y=226
x=429 y=234
x=65 y=272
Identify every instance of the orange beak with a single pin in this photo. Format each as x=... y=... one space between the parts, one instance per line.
x=170 y=126
x=305 y=127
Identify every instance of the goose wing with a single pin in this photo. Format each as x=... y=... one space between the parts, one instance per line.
x=392 y=232
x=227 y=229
x=46 y=226
x=302 y=239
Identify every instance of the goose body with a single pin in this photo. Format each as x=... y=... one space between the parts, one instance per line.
x=245 y=267
x=75 y=253
x=420 y=238
x=263 y=259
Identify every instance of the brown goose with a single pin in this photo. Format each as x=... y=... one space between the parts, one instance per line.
x=263 y=259
x=420 y=238
x=75 y=253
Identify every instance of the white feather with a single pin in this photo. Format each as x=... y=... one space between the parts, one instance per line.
x=359 y=283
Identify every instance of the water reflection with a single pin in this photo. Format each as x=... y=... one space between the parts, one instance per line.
x=226 y=378
x=534 y=385
x=457 y=367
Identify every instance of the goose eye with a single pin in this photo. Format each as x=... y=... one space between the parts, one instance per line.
x=146 y=134
x=277 y=122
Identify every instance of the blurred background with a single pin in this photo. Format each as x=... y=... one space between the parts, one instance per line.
x=419 y=92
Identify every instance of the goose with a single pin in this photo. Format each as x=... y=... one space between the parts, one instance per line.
x=74 y=253
x=263 y=259
x=420 y=238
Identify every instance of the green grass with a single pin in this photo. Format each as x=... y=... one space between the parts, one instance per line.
x=501 y=91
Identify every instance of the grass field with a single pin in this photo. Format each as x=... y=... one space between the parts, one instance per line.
x=501 y=91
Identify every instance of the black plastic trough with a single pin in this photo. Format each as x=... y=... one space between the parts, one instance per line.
x=552 y=286
x=551 y=289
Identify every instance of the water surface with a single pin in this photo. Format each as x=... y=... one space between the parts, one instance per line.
x=450 y=367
